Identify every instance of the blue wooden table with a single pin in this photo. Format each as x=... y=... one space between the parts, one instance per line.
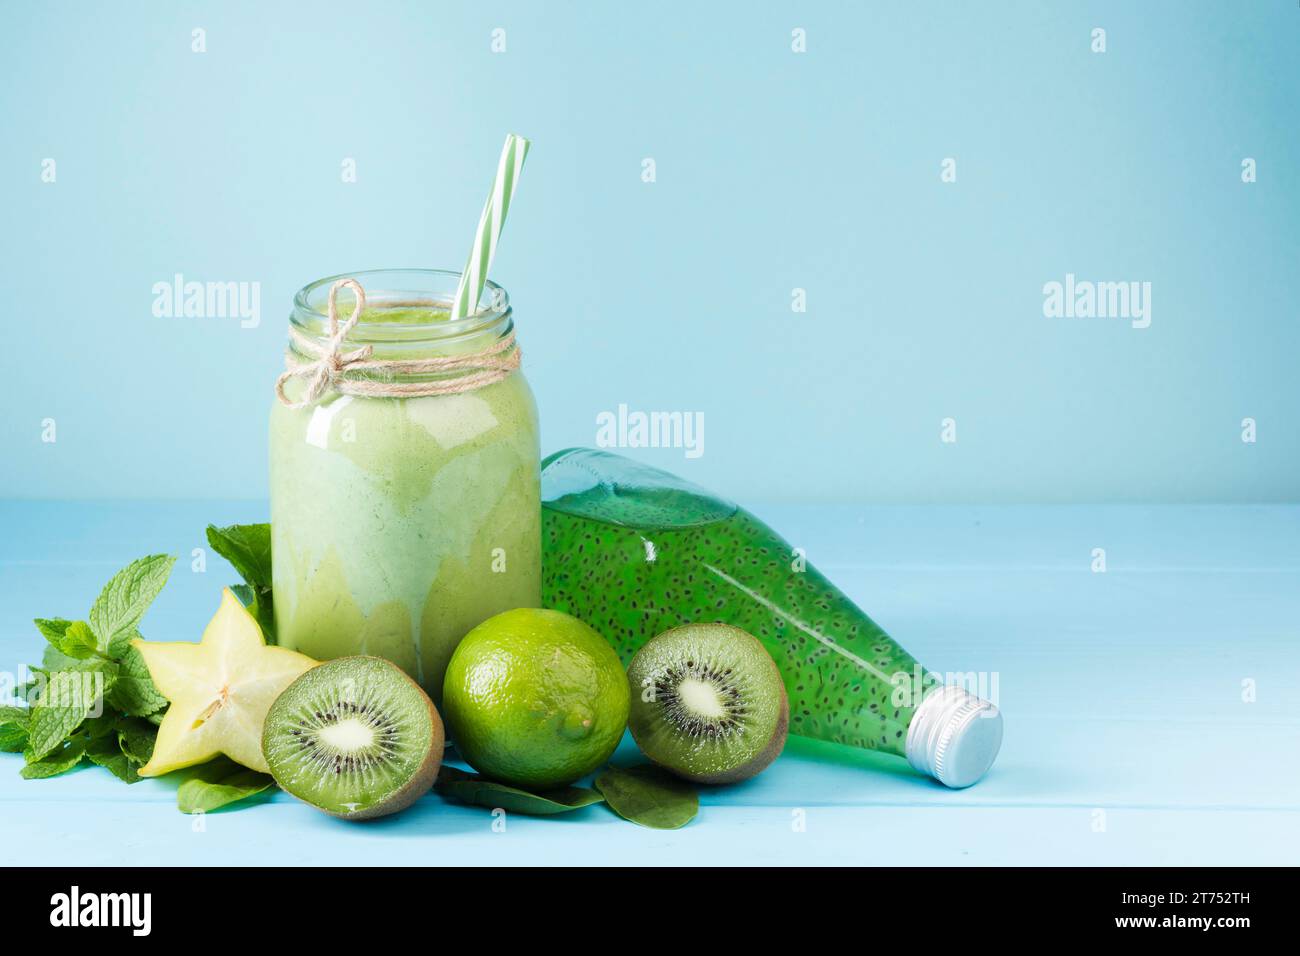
x=1152 y=710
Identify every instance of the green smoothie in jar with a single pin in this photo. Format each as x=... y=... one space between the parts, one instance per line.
x=405 y=491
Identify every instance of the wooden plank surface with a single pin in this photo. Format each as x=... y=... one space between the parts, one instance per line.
x=1129 y=739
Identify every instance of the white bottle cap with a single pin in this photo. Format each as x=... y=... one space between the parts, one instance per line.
x=954 y=736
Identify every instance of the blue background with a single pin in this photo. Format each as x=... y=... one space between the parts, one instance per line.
x=1151 y=709
x=775 y=170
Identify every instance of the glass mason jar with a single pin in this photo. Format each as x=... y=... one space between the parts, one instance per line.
x=400 y=523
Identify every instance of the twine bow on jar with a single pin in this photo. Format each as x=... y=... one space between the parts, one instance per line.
x=331 y=368
x=329 y=363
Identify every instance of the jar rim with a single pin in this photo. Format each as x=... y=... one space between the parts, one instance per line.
x=312 y=319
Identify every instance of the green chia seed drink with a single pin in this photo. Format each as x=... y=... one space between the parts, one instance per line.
x=399 y=524
x=634 y=551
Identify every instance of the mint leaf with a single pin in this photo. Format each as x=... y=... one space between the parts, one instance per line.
x=72 y=639
x=135 y=738
x=649 y=796
x=57 y=762
x=25 y=689
x=55 y=660
x=125 y=598
x=134 y=692
x=13 y=729
x=104 y=725
x=121 y=646
x=218 y=783
x=77 y=641
x=52 y=628
x=81 y=705
x=248 y=548
x=105 y=753
x=66 y=700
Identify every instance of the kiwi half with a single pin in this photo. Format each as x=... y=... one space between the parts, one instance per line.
x=354 y=737
x=708 y=703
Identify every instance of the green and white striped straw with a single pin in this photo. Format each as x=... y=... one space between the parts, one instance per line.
x=489 y=226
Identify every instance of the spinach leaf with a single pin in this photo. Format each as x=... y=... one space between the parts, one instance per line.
x=218 y=783
x=476 y=789
x=649 y=796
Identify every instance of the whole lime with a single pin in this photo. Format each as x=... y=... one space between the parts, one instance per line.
x=535 y=698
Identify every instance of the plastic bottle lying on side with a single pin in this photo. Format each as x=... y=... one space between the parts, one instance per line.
x=634 y=551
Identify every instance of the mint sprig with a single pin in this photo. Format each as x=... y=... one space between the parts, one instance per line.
x=92 y=698
x=87 y=700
